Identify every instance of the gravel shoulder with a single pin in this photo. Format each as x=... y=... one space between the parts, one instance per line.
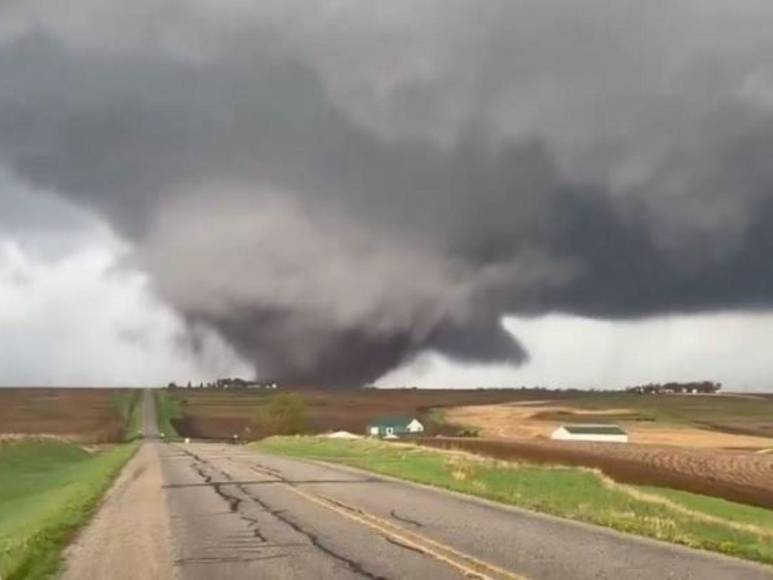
x=129 y=537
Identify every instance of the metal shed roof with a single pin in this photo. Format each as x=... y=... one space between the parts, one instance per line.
x=594 y=429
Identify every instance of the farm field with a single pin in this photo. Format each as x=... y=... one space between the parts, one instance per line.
x=47 y=490
x=221 y=414
x=730 y=421
x=723 y=421
x=740 y=476
x=82 y=415
x=714 y=445
x=581 y=494
x=683 y=447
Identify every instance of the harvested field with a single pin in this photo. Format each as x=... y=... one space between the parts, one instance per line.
x=737 y=476
x=84 y=415
x=690 y=421
x=220 y=414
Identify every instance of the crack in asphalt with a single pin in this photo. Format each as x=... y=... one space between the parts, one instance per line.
x=232 y=501
x=406 y=520
x=198 y=469
x=235 y=502
x=313 y=538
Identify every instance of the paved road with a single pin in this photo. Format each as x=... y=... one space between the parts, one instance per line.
x=239 y=514
x=236 y=514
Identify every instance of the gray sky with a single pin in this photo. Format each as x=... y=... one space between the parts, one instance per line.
x=323 y=191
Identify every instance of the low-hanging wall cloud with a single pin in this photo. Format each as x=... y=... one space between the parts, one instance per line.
x=335 y=187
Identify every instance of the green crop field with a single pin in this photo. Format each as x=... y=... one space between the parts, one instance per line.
x=580 y=494
x=47 y=490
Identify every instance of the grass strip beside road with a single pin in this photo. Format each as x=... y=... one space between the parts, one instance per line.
x=579 y=494
x=128 y=403
x=48 y=489
x=167 y=408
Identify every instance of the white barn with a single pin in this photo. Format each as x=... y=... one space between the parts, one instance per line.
x=604 y=433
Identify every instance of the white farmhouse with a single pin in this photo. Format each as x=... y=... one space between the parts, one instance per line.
x=394 y=427
x=604 y=433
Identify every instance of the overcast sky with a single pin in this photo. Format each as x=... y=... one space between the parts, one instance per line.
x=435 y=192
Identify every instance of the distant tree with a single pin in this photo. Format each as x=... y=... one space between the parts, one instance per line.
x=189 y=384
x=172 y=385
x=284 y=414
x=704 y=387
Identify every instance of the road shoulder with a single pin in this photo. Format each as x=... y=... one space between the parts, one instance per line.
x=130 y=536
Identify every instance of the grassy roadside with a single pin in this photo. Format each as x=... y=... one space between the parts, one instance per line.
x=48 y=489
x=128 y=403
x=167 y=408
x=579 y=494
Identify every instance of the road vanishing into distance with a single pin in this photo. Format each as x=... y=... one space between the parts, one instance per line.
x=211 y=511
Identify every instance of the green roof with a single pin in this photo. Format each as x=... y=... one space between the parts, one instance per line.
x=391 y=422
x=594 y=429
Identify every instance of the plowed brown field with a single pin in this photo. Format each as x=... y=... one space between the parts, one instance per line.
x=88 y=415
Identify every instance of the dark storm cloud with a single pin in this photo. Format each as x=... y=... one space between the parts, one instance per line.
x=336 y=189
x=47 y=226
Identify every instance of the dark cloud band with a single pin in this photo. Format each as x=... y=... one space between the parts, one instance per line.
x=331 y=222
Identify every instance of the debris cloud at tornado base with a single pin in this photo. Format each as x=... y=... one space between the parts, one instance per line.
x=335 y=189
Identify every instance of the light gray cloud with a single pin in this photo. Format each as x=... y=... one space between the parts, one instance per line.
x=77 y=319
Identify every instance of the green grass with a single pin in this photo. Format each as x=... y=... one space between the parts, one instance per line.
x=128 y=403
x=168 y=408
x=716 y=507
x=679 y=517
x=47 y=490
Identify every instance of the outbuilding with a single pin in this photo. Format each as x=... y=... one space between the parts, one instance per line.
x=394 y=427
x=604 y=433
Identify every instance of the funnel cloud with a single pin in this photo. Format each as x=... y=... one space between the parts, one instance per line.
x=337 y=187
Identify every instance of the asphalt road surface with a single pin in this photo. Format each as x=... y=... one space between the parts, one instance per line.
x=238 y=514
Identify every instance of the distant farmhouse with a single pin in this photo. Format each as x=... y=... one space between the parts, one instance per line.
x=394 y=427
x=603 y=433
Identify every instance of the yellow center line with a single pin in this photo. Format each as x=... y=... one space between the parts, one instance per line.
x=469 y=565
x=465 y=563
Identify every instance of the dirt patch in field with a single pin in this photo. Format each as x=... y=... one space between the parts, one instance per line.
x=82 y=415
x=737 y=476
